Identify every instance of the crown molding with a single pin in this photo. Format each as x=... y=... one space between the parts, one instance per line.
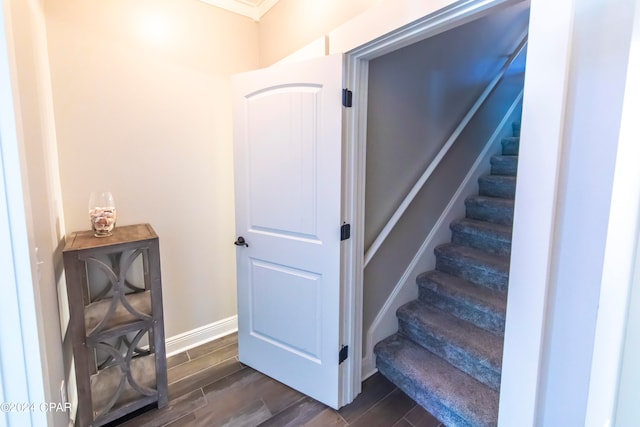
x=253 y=9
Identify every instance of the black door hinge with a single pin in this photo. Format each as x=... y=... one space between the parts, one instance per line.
x=347 y=98
x=345 y=232
x=344 y=354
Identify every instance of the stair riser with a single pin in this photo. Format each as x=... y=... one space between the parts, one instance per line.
x=490 y=213
x=504 y=165
x=497 y=188
x=448 y=366
x=454 y=397
x=432 y=404
x=484 y=242
x=454 y=355
x=510 y=146
x=480 y=316
x=479 y=274
x=516 y=129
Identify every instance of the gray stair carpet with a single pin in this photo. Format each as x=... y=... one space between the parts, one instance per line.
x=447 y=353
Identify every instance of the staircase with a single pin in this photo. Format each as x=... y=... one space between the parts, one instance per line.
x=447 y=353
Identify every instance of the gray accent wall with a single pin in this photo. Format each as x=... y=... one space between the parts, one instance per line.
x=417 y=96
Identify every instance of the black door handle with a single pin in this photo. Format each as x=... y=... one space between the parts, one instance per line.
x=241 y=242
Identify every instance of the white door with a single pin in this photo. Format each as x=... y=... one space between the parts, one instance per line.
x=287 y=147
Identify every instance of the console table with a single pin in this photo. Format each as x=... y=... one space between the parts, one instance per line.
x=116 y=325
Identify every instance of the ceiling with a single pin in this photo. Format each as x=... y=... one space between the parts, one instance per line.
x=254 y=9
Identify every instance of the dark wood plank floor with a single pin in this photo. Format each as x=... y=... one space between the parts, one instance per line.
x=209 y=387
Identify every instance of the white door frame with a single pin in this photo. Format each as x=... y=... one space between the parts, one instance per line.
x=614 y=374
x=21 y=370
x=355 y=137
x=622 y=395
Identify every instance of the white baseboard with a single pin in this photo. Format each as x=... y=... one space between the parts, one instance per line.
x=405 y=290
x=195 y=337
x=368 y=366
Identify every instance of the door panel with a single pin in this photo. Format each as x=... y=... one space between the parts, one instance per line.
x=296 y=293
x=282 y=128
x=287 y=147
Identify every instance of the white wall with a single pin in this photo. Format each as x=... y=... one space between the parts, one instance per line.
x=142 y=99
x=417 y=97
x=41 y=183
x=571 y=119
x=293 y=24
x=418 y=94
x=599 y=60
x=21 y=368
x=615 y=373
x=623 y=397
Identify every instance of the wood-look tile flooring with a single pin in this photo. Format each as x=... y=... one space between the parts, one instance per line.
x=209 y=387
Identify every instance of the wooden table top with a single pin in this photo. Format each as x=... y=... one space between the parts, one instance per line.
x=125 y=234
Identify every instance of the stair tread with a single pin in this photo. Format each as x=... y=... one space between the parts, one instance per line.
x=486 y=200
x=483 y=346
x=498 y=178
x=506 y=157
x=479 y=296
x=497 y=210
x=482 y=234
x=477 y=266
x=474 y=256
x=474 y=226
x=483 y=306
x=459 y=398
x=511 y=145
x=516 y=128
x=504 y=165
x=503 y=186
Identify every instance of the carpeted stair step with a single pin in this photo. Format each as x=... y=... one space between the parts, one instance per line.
x=504 y=165
x=515 y=126
x=487 y=236
x=473 y=265
x=510 y=146
x=455 y=398
x=492 y=209
x=467 y=347
x=482 y=306
x=498 y=186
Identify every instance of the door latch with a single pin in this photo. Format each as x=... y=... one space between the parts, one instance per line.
x=241 y=242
